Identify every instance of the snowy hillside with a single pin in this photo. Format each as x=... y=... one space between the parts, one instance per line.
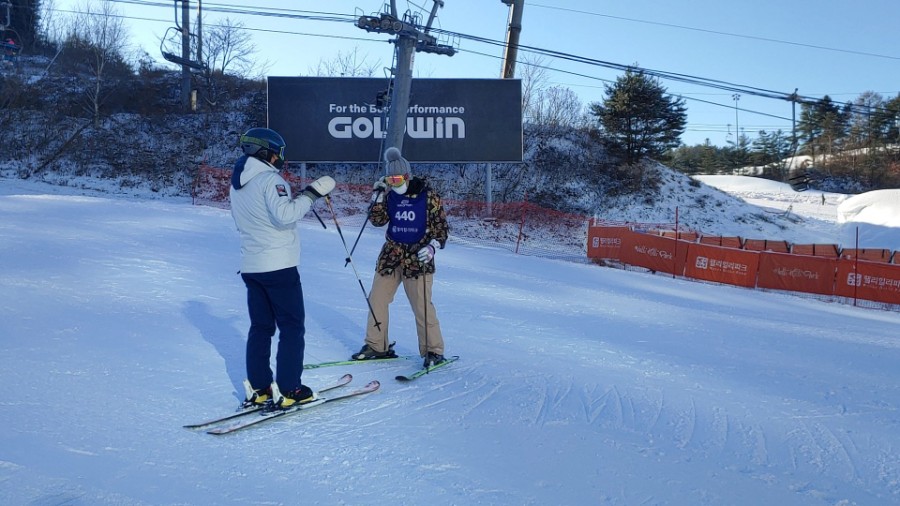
x=123 y=319
x=874 y=216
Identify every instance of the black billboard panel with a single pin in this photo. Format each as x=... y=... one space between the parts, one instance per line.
x=340 y=119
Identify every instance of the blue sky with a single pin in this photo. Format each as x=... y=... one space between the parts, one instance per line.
x=769 y=45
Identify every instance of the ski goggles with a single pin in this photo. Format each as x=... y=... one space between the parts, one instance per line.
x=396 y=180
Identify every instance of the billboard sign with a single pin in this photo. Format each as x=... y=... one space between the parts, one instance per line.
x=341 y=119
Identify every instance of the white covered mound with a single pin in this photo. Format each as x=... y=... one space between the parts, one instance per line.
x=876 y=215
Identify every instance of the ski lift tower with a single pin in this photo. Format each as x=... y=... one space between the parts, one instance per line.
x=411 y=36
x=170 y=40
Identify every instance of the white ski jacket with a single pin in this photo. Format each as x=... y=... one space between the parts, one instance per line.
x=266 y=216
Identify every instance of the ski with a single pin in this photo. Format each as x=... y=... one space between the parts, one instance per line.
x=274 y=414
x=423 y=372
x=354 y=362
x=343 y=380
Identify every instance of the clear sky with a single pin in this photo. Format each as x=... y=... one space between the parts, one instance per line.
x=770 y=45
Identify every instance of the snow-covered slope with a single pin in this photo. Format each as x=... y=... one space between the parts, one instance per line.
x=875 y=216
x=872 y=218
x=121 y=320
x=742 y=206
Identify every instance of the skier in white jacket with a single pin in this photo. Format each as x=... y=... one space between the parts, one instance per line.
x=266 y=217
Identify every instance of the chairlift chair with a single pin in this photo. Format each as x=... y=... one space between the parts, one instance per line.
x=169 y=41
x=9 y=45
x=801 y=182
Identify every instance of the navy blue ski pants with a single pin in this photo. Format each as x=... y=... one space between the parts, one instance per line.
x=275 y=299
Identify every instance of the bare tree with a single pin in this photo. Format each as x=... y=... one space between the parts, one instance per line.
x=349 y=64
x=98 y=33
x=533 y=72
x=52 y=25
x=557 y=107
x=228 y=49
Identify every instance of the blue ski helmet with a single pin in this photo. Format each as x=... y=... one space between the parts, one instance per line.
x=262 y=143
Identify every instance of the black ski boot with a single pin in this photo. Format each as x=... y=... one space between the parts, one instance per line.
x=432 y=359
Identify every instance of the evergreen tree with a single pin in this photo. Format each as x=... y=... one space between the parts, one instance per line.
x=769 y=152
x=891 y=121
x=771 y=147
x=866 y=121
x=639 y=119
x=823 y=125
x=700 y=159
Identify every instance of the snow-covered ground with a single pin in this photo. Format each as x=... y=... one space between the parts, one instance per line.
x=814 y=213
x=123 y=319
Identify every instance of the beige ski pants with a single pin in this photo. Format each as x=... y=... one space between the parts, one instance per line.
x=418 y=291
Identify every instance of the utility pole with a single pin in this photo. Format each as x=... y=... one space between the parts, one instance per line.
x=514 y=29
x=794 y=98
x=200 y=32
x=410 y=39
x=737 y=131
x=508 y=71
x=186 y=55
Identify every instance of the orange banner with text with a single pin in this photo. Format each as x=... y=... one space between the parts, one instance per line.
x=809 y=274
x=606 y=242
x=868 y=280
x=654 y=252
x=722 y=265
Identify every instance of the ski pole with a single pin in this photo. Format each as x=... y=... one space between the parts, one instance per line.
x=425 y=297
x=350 y=261
x=368 y=214
x=320 y=219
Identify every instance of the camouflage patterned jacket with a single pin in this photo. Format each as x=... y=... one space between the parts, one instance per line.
x=394 y=254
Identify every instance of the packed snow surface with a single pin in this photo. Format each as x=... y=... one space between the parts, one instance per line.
x=123 y=319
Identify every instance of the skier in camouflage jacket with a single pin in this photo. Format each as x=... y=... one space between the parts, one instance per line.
x=416 y=228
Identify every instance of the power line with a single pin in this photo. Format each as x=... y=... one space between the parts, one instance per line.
x=586 y=76
x=727 y=87
x=671 y=76
x=335 y=17
x=717 y=32
x=256 y=11
x=250 y=29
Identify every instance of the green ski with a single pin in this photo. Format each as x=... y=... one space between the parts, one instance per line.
x=354 y=362
x=422 y=372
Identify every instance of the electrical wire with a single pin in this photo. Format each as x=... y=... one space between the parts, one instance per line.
x=862 y=109
x=717 y=32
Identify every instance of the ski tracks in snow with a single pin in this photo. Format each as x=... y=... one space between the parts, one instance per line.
x=686 y=424
x=659 y=421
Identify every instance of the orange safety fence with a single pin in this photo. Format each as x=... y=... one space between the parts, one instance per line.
x=781 y=271
x=868 y=280
x=768 y=264
x=606 y=242
x=722 y=265
x=723 y=241
x=682 y=236
x=869 y=255
x=767 y=245
x=657 y=253
x=816 y=250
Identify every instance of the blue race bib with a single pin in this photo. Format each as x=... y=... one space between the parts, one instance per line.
x=408 y=216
